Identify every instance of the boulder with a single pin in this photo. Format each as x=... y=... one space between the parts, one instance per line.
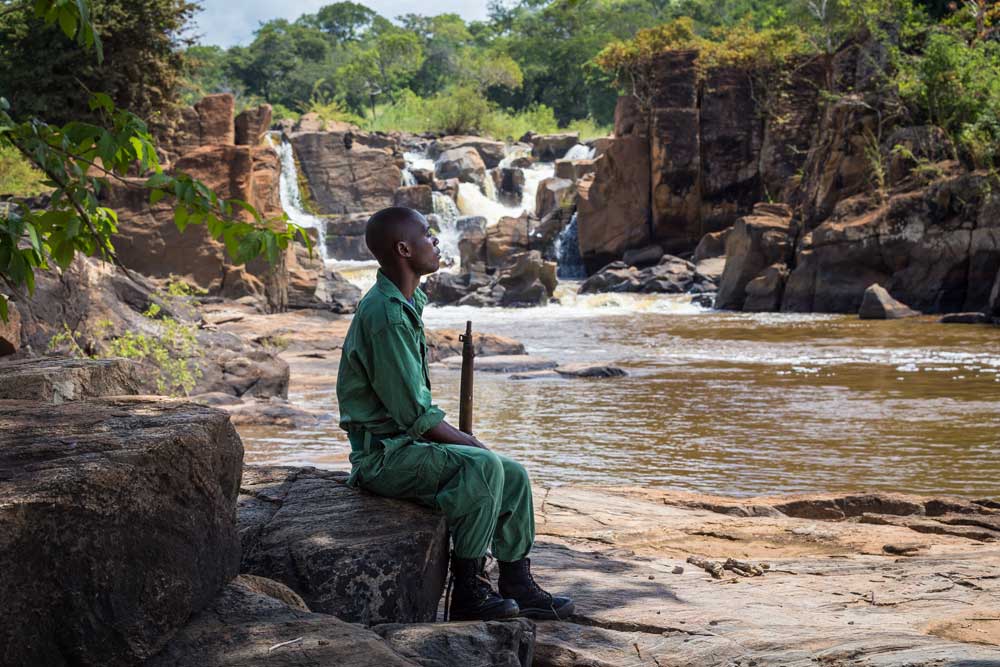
x=510 y=186
x=345 y=237
x=527 y=280
x=252 y=124
x=345 y=175
x=233 y=366
x=554 y=193
x=600 y=145
x=446 y=186
x=878 y=305
x=763 y=293
x=10 y=331
x=449 y=288
x=493 y=644
x=711 y=269
x=442 y=343
x=643 y=256
x=754 y=243
x=671 y=275
x=56 y=380
x=491 y=152
x=613 y=203
x=417 y=197
x=215 y=119
x=422 y=176
x=585 y=370
x=461 y=163
x=507 y=237
x=574 y=170
x=471 y=243
x=299 y=526
x=966 y=318
x=126 y=509
x=551 y=147
x=711 y=245
x=249 y=623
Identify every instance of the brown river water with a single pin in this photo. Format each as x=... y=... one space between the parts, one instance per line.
x=726 y=403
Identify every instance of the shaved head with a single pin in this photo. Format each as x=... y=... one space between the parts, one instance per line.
x=388 y=227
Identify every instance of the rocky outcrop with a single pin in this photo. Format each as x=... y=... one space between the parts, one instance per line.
x=613 y=203
x=346 y=172
x=299 y=526
x=126 y=509
x=551 y=147
x=57 y=380
x=509 y=185
x=493 y=644
x=247 y=625
x=756 y=242
x=574 y=170
x=417 y=197
x=491 y=152
x=345 y=237
x=311 y=284
x=250 y=125
x=554 y=193
x=877 y=304
x=671 y=275
x=443 y=343
x=10 y=331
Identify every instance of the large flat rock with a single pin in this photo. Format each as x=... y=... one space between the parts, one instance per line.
x=362 y=558
x=469 y=644
x=56 y=380
x=832 y=595
x=116 y=524
x=246 y=627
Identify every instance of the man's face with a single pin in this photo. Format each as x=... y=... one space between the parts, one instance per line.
x=425 y=255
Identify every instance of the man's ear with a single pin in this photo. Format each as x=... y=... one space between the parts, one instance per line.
x=403 y=248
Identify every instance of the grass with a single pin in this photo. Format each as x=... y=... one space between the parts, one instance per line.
x=17 y=176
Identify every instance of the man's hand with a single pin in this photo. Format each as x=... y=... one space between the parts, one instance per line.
x=448 y=434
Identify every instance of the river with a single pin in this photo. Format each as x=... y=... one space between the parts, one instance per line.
x=728 y=403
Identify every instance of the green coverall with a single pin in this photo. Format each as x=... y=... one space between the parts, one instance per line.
x=384 y=391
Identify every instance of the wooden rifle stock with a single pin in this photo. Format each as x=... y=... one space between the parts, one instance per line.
x=465 y=392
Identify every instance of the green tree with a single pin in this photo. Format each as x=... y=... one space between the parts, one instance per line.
x=343 y=21
x=381 y=67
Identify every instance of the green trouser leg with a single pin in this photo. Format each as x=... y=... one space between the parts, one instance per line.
x=485 y=496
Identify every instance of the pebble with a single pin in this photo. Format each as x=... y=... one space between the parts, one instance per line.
x=678 y=570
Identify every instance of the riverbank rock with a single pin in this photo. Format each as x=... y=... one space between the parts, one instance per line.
x=461 y=163
x=493 y=644
x=554 y=193
x=57 y=380
x=510 y=185
x=585 y=370
x=671 y=275
x=346 y=172
x=755 y=242
x=522 y=279
x=300 y=526
x=417 y=197
x=551 y=147
x=247 y=626
x=442 y=343
x=125 y=507
x=966 y=318
x=345 y=237
x=878 y=305
x=504 y=363
x=491 y=152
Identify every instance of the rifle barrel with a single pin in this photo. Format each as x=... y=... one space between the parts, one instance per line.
x=465 y=392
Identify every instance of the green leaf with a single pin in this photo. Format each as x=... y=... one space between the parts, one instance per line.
x=67 y=21
x=101 y=101
x=155 y=196
x=181 y=217
x=3 y=309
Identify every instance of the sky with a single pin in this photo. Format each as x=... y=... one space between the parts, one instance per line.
x=230 y=22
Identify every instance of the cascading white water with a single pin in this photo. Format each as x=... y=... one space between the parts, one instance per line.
x=448 y=212
x=580 y=152
x=291 y=198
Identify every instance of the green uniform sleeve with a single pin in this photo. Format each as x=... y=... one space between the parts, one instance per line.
x=397 y=376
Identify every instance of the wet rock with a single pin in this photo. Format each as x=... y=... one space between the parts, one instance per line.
x=513 y=363
x=491 y=152
x=966 y=318
x=763 y=293
x=252 y=124
x=640 y=257
x=510 y=186
x=345 y=237
x=346 y=175
x=446 y=186
x=57 y=380
x=273 y=411
x=573 y=170
x=527 y=281
x=754 y=243
x=551 y=147
x=423 y=176
x=417 y=197
x=711 y=245
x=671 y=275
x=10 y=331
x=492 y=644
x=126 y=509
x=537 y=375
x=300 y=527
x=584 y=370
x=712 y=269
x=461 y=163
x=442 y=343
x=449 y=288
x=507 y=237
x=247 y=625
x=612 y=203
x=878 y=305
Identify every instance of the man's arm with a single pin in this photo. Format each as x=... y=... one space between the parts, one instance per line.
x=446 y=433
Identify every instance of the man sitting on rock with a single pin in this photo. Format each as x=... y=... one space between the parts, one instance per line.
x=401 y=447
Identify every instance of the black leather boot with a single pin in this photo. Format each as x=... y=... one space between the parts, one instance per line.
x=516 y=582
x=473 y=598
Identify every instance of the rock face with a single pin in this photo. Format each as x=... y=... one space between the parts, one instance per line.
x=491 y=152
x=250 y=125
x=299 y=526
x=10 y=331
x=755 y=243
x=245 y=623
x=551 y=147
x=613 y=203
x=345 y=237
x=877 y=304
x=554 y=193
x=465 y=164
x=346 y=172
x=126 y=509
x=55 y=380
x=493 y=644
x=417 y=197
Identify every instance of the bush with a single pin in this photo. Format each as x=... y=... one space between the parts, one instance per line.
x=17 y=176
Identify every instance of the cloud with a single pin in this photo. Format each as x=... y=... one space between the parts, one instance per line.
x=231 y=22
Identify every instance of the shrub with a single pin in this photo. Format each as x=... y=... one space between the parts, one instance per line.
x=17 y=176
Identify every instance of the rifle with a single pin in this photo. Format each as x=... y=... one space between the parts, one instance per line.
x=465 y=391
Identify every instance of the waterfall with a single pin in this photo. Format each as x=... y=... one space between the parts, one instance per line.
x=408 y=178
x=568 y=252
x=291 y=198
x=580 y=152
x=448 y=212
